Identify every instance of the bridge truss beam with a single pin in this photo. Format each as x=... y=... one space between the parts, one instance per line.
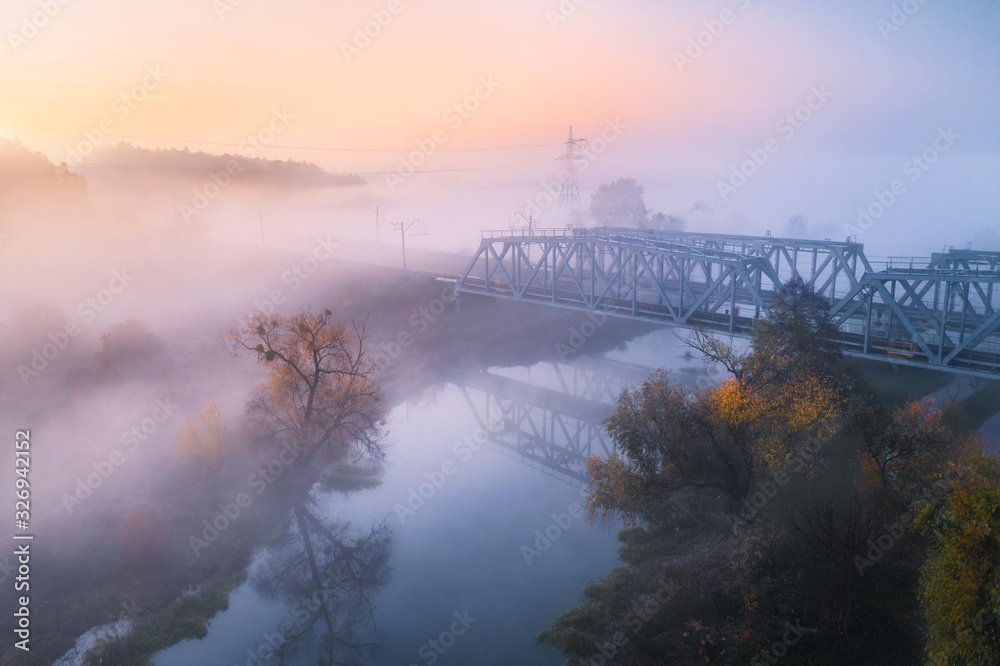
x=943 y=316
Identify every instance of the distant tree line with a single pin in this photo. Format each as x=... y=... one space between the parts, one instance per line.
x=249 y=169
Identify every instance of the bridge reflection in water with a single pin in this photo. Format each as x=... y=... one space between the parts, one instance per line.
x=553 y=420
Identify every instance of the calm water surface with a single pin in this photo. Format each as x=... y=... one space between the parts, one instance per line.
x=479 y=471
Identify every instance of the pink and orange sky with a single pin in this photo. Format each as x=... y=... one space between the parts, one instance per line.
x=228 y=64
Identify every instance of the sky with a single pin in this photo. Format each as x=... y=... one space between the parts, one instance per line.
x=476 y=99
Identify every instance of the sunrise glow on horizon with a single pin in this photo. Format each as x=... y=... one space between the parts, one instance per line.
x=365 y=85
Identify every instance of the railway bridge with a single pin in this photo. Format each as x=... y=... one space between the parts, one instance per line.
x=941 y=312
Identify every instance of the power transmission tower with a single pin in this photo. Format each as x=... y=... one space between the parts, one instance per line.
x=569 y=191
x=403 y=228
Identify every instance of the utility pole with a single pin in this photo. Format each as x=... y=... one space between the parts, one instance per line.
x=403 y=228
x=378 y=211
x=526 y=219
x=261 y=213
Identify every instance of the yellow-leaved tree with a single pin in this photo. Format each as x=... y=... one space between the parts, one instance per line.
x=322 y=393
x=782 y=400
x=201 y=439
x=960 y=581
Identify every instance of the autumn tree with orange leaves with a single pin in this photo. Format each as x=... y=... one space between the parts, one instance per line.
x=673 y=439
x=904 y=447
x=783 y=399
x=835 y=555
x=321 y=393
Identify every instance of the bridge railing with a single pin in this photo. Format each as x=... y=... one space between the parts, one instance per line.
x=606 y=233
x=524 y=233
x=688 y=237
x=918 y=266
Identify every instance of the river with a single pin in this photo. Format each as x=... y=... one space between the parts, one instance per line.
x=475 y=533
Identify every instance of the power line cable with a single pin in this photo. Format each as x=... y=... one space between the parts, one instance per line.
x=315 y=148
x=322 y=172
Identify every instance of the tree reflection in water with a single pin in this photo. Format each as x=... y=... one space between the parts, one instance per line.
x=326 y=572
x=323 y=399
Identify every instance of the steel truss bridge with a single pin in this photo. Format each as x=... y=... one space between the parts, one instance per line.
x=554 y=421
x=942 y=312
